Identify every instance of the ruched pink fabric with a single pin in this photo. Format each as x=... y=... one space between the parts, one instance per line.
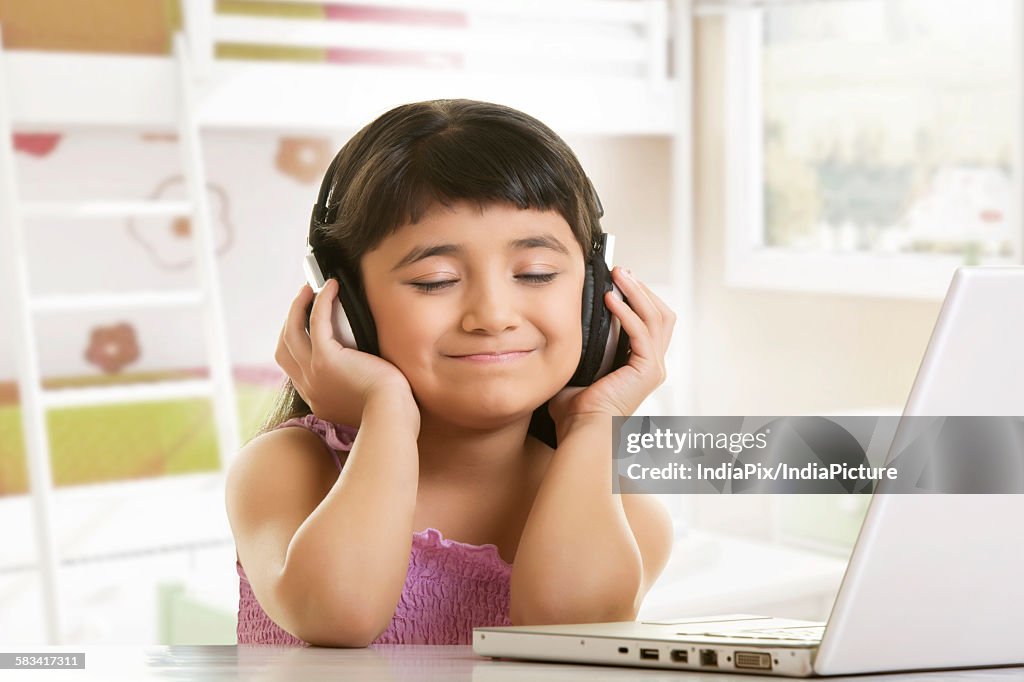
x=450 y=588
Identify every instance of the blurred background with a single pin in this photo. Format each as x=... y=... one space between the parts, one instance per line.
x=798 y=180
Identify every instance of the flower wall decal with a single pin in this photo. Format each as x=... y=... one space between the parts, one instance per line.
x=169 y=241
x=181 y=227
x=303 y=158
x=36 y=144
x=112 y=348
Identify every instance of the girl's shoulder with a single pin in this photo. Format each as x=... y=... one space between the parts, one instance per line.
x=283 y=453
x=338 y=438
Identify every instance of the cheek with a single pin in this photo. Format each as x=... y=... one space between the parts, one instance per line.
x=406 y=336
x=562 y=322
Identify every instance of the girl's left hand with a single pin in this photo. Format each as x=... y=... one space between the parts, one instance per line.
x=649 y=323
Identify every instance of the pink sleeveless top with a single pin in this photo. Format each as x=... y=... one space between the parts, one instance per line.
x=451 y=586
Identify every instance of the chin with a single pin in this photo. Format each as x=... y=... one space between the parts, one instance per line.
x=480 y=411
x=502 y=408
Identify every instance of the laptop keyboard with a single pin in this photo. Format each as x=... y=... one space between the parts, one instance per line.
x=810 y=633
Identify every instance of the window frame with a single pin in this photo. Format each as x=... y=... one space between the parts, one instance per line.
x=748 y=264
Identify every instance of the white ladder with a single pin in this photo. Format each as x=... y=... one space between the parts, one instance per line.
x=35 y=400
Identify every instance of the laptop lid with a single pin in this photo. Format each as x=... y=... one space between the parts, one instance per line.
x=934 y=580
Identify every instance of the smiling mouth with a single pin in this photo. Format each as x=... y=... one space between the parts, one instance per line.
x=493 y=357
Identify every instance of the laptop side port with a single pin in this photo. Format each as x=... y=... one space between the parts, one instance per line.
x=753 y=660
x=680 y=656
x=649 y=654
x=709 y=658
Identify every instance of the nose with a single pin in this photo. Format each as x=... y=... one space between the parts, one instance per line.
x=491 y=307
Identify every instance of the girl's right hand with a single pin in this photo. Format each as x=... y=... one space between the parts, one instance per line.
x=335 y=381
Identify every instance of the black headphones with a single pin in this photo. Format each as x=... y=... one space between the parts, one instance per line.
x=605 y=345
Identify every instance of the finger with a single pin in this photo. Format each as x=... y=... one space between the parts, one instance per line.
x=654 y=311
x=668 y=316
x=639 y=334
x=294 y=335
x=291 y=368
x=321 y=331
x=286 y=361
x=638 y=298
x=297 y=303
x=648 y=354
x=656 y=300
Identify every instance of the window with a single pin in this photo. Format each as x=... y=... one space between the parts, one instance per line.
x=873 y=145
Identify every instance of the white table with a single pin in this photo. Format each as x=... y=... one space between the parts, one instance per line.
x=385 y=664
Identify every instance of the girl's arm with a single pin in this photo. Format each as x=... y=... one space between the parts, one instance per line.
x=584 y=556
x=331 y=572
x=334 y=576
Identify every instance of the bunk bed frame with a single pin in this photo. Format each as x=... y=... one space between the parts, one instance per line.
x=615 y=78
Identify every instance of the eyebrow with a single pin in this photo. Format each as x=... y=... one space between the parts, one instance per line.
x=541 y=241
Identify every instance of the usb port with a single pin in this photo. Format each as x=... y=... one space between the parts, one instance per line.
x=680 y=655
x=754 y=660
x=649 y=654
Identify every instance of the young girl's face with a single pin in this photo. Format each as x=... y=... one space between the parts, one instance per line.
x=451 y=291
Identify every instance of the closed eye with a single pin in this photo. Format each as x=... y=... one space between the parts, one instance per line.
x=433 y=286
x=427 y=287
x=540 y=278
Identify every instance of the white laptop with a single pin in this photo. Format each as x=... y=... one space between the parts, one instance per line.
x=934 y=581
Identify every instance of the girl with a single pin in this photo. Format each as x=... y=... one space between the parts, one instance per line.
x=435 y=508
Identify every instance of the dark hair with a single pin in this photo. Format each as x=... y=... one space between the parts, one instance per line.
x=441 y=152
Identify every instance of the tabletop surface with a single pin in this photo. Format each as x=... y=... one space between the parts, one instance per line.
x=403 y=663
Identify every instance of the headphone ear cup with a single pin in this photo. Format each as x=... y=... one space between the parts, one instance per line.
x=596 y=320
x=341 y=325
x=616 y=347
x=587 y=320
x=356 y=310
